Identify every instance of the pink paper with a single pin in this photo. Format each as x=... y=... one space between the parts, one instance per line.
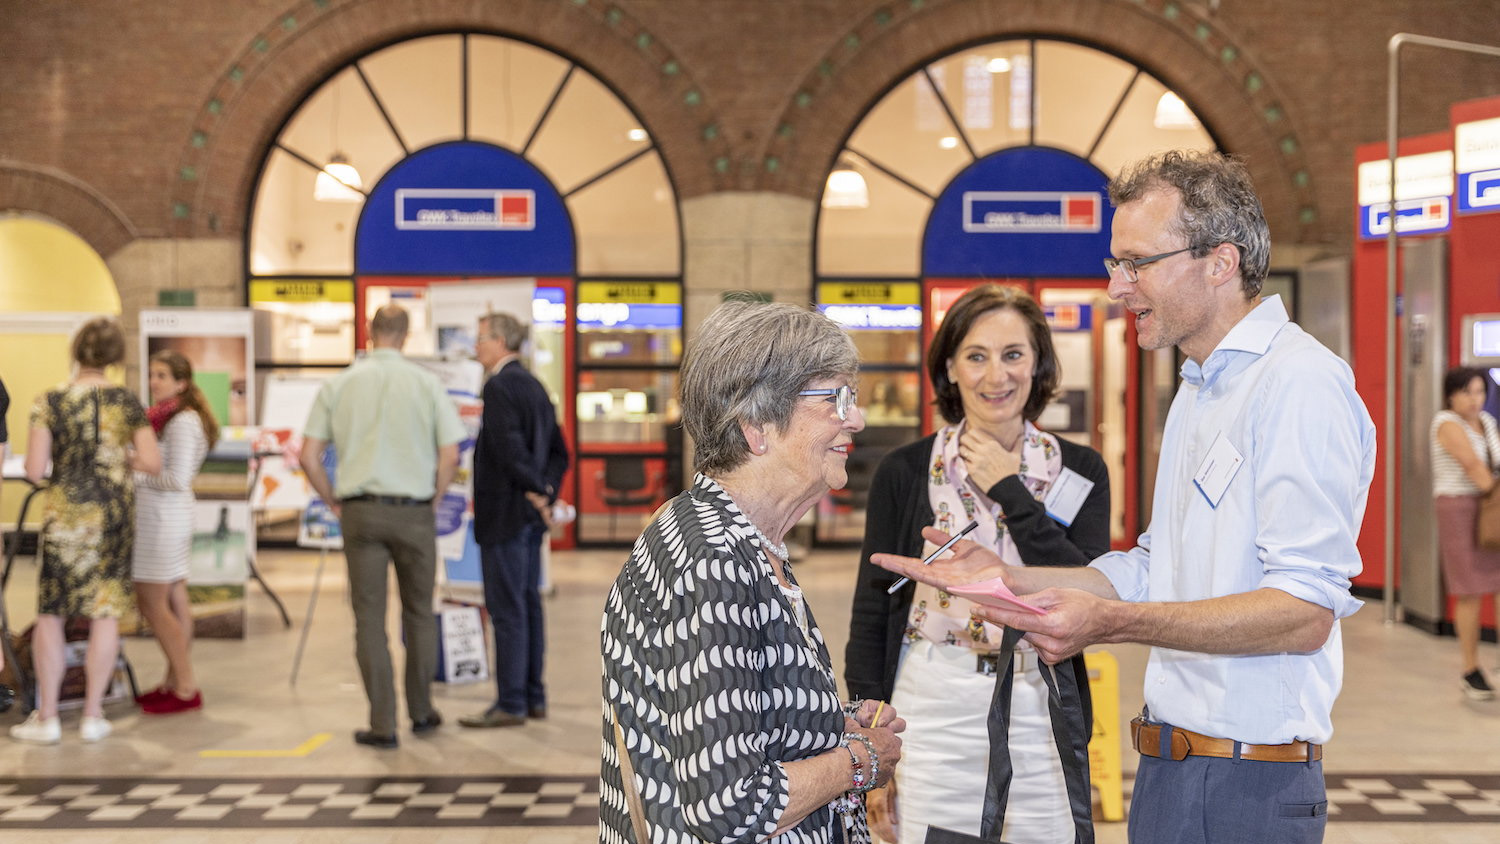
x=994 y=593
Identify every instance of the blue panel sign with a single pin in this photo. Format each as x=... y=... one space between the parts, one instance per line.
x=1025 y=212
x=1479 y=191
x=464 y=208
x=628 y=315
x=1413 y=216
x=549 y=306
x=875 y=317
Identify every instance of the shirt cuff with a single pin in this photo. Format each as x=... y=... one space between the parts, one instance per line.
x=1315 y=591
x=1125 y=574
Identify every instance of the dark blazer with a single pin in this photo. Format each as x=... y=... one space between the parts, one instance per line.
x=520 y=450
x=897 y=511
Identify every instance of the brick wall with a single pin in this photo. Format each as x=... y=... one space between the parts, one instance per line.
x=150 y=118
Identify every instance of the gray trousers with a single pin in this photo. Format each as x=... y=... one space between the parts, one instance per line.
x=1227 y=801
x=376 y=535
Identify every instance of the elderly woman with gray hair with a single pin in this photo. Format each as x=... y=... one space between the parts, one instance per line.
x=722 y=719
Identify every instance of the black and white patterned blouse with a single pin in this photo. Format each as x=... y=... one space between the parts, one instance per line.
x=714 y=684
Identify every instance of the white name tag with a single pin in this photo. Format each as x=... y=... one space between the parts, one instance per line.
x=1218 y=469
x=1066 y=496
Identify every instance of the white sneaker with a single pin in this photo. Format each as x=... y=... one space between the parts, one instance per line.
x=38 y=730
x=93 y=729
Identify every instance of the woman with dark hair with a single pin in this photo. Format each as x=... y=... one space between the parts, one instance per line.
x=993 y=369
x=1465 y=454
x=95 y=433
x=722 y=718
x=186 y=428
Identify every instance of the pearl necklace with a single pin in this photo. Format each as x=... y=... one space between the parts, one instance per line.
x=778 y=550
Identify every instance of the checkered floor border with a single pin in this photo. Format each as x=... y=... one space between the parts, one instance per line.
x=110 y=802
x=104 y=802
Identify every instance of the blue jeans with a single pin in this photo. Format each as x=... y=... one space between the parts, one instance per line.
x=512 y=572
x=1227 y=801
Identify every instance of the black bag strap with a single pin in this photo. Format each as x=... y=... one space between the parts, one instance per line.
x=1065 y=704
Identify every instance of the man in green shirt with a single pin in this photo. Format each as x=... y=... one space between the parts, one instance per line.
x=396 y=434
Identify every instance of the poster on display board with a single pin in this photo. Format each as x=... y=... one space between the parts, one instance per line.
x=463 y=379
x=455 y=310
x=220 y=344
x=287 y=401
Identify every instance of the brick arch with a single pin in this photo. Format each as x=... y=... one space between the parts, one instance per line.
x=69 y=201
x=298 y=51
x=1188 y=51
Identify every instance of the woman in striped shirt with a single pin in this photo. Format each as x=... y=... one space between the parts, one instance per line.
x=164 y=525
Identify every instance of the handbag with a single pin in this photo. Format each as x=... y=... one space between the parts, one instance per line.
x=633 y=805
x=1064 y=701
x=1488 y=521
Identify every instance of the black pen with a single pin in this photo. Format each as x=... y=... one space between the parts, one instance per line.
x=935 y=554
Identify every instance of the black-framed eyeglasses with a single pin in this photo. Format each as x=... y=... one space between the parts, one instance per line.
x=1131 y=267
x=844 y=398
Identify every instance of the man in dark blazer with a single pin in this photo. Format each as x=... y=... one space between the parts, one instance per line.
x=518 y=464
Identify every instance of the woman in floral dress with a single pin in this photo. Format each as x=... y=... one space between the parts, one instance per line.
x=95 y=433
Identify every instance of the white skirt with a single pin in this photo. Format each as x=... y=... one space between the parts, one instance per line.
x=163 y=535
x=945 y=749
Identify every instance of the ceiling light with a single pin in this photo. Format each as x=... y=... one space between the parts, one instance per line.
x=846 y=189
x=636 y=134
x=1173 y=113
x=338 y=181
x=999 y=64
x=947 y=142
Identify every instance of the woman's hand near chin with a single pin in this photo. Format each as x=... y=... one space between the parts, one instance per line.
x=987 y=460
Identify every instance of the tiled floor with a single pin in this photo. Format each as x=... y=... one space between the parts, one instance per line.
x=1413 y=761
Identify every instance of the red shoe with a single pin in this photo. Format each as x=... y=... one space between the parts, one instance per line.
x=155 y=694
x=170 y=703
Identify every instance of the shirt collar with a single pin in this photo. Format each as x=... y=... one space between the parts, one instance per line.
x=383 y=352
x=1252 y=334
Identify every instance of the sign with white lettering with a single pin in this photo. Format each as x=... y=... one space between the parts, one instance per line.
x=1424 y=195
x=463 y=209
x=1031 y=212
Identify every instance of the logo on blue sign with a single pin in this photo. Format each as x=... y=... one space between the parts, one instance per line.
x=1479 y=191
x=459 y=209
x=1031 y=212
x=1413 y=216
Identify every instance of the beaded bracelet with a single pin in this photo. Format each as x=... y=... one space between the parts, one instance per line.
x=861 y=788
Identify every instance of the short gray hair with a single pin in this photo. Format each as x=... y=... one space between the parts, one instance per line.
x=746 y=365
x=1219 y=205
x=505 y=328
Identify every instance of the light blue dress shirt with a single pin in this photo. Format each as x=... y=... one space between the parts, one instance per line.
x=1287 y=520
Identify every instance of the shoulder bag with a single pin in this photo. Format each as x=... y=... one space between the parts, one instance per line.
x=1488 y=536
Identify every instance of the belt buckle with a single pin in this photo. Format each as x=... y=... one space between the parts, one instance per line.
x=987 y=665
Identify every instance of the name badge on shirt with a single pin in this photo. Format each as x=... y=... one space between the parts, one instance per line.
x=1218 y=469
x=1066 y=496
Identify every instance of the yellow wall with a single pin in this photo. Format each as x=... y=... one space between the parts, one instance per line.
x=45 y=267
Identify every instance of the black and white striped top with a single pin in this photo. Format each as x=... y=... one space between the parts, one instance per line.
x=714 y=684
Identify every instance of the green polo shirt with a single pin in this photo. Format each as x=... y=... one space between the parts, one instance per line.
x=386 y=418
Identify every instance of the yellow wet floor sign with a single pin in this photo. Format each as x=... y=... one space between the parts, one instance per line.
x=1106 y=744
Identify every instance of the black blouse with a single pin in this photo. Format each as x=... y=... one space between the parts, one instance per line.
x=713 y=683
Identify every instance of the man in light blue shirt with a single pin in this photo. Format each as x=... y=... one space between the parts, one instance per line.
x=1241 y=579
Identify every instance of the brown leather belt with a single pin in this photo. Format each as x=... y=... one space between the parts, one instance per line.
x=1146 y=739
